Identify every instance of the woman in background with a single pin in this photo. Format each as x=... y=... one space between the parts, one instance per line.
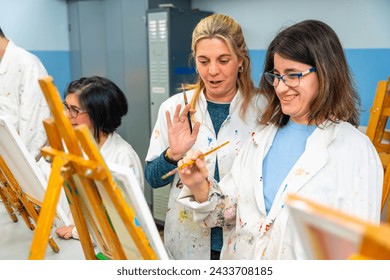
x=100 y=104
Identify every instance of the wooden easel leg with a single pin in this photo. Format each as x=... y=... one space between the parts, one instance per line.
x=17 y=205
x=48 y=210
x=34 y=214
x=7 y=205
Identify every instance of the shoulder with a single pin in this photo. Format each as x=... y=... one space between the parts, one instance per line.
x=25 y=59
x=118 y=150
x=345 y=129
x=352 y=141
x=118 y=141
x=22 y=54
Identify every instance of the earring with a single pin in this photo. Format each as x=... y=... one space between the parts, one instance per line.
x=196 y=70
x=241 y=69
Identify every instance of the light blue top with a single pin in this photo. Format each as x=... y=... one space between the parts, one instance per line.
x=288 y=145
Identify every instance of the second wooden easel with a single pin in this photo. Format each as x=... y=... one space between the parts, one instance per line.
x=78 y=166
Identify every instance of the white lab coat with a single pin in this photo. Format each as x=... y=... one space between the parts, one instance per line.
x=117 y=150
x=21 y=98
x=183 y=238
x=339 y=168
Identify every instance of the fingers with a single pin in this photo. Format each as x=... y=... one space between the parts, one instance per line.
x=190 y=161
x=168 y=117
x=179 y=117
x=195 y=130
x=64 y=232
x=176 y=115
x=191 y=156
x=183 y=116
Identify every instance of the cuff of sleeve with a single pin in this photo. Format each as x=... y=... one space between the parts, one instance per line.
x=200 y=210
x=168 y=159
x=75 y=233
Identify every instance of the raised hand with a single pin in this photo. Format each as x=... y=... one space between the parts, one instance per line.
x=179 y=134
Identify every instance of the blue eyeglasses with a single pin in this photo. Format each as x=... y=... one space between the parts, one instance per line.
x=291 y=79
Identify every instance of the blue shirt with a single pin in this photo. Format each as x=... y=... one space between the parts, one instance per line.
x=288 y=145
x=218 y=113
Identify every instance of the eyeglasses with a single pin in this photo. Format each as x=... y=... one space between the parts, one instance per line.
x=291 y=79
x=73 y=111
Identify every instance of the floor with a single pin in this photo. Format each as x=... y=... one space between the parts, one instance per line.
x=16 y=238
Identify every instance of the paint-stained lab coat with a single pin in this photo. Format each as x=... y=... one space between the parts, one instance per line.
x=339 y=168
x=21 y=98
x=184 y=238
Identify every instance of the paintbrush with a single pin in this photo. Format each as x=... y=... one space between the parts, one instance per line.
x=186 y=102
x=191 y=162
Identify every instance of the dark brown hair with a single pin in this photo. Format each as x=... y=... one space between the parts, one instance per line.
x=314 y=43
x=104 y=101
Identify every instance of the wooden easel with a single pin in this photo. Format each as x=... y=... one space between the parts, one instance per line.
x=331 y=234
x=380 y=136
x=78 y=166
x=16 y=200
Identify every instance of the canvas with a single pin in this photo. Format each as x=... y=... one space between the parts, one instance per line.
x=23 y=166
x=329 y=234
x=133 y=194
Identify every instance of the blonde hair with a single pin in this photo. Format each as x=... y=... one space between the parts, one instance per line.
x=225 y=28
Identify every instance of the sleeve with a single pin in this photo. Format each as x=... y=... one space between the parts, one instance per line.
x=75 y=233
x=121 y=152
x=155 y=169
x=33 y=108
x=219 y=209
x=368 y=185
x=135 y=164
x=156 y=165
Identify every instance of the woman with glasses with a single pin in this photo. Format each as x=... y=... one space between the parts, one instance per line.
x=100 y=104
x=225 y=107
x=309 y=145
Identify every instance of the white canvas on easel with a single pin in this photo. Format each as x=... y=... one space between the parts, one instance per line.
x=23 y=166
x=134 y=196
x=132 y=192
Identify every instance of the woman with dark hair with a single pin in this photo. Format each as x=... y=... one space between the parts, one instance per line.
x=100 y=104
x=308 y=144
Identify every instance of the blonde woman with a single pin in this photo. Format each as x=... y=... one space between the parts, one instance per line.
x=225 y=107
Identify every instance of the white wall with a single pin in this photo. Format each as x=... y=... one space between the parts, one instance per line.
x=359 y=23
x=36 y=24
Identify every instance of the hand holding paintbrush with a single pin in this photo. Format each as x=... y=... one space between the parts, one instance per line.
x=191 y=162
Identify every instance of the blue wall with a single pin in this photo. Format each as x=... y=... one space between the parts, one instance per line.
x=368 y=67
x=57 y=64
